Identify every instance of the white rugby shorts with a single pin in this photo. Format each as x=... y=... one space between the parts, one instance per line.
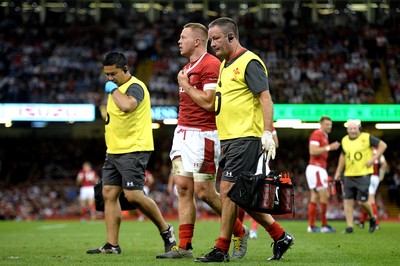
x=194 y=147
x=86 y=192
x=317 y=177
x=373 y=185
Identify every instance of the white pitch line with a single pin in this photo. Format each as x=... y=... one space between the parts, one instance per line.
x=52 y=226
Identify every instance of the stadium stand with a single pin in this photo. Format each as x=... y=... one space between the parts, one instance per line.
x=59 y=61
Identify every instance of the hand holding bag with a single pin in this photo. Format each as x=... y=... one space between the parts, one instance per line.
x=272 y=193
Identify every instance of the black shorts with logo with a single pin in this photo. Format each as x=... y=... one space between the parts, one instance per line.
x=356 y=187
x=239 y=155
x=126 y=170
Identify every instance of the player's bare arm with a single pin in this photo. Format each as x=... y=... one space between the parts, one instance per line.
x=317 y=150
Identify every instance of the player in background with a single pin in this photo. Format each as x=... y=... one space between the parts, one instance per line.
x=196 y=147
x=86 y=179
x=317 y=175
x=380 y=168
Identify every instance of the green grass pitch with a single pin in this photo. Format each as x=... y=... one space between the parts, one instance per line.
x=65 y=243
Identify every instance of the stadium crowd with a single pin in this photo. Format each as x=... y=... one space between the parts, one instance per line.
x=60 y=62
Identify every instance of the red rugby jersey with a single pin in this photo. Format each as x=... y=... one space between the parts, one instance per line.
x=319 y=138
x=203 y=75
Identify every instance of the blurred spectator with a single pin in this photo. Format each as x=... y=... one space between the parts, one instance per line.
x=61 y=64
x=58 y=63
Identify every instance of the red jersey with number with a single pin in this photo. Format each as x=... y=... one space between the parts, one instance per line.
x=203 y=75
x=320 y=139
x=89 y=178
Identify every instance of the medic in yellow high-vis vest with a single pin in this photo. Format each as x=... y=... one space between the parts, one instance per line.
x=357 y=160
x=129 y=141
x=244 y=115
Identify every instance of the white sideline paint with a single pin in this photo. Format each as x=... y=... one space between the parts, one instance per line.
x=52 y=226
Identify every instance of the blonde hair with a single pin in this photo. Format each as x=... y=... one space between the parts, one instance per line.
x=200 y=29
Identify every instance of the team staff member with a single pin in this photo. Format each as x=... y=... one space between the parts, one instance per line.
x=241 y=212
x=196 y=147
x=317 y=176
x=129 y=141
x=357 y=161
x=244 y=115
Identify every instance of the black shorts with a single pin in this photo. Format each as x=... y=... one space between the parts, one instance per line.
x=356 y=187
x=126 y=170
x=239 y=155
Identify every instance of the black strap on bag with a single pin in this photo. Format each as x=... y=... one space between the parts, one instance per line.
x=99 y=201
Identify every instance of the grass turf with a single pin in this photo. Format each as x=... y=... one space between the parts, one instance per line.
x=65 y=243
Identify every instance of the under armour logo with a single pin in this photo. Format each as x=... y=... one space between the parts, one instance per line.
x=228 y=174
x=129 y=184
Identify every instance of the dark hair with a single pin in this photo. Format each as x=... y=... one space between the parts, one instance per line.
x=325 y=117
x=115 y=58
x=227 y=25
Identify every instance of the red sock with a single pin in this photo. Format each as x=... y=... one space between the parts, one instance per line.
x=185 y=236
x=241 y=214
x=375 y=211
x=223 y=244
x=312 y=213
x=323 y=207
x=83 y=212
x=275 y=231
x=238 y=230
x=363 y=216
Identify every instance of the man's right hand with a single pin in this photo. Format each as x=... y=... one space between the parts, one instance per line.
x=110 y=87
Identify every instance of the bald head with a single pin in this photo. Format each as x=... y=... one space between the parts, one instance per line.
x=353 y=128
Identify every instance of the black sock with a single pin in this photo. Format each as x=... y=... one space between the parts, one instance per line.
x=113 y=245
x=166 y=231
x=189 y=246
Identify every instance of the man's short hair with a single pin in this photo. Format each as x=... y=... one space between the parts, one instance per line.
x=324 y=117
